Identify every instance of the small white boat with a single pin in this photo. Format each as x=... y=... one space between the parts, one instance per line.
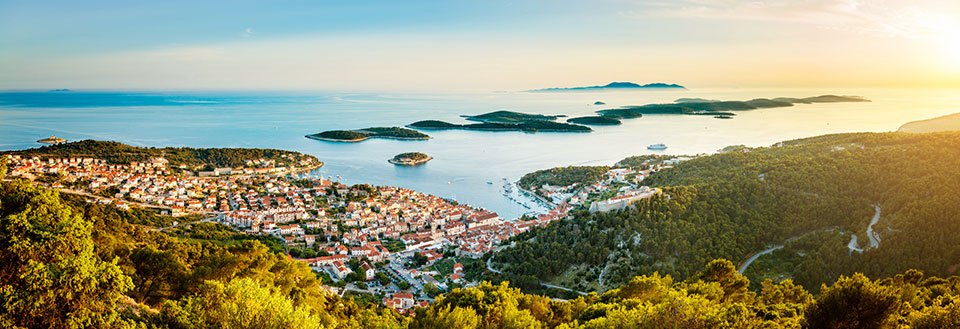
x=657 y=147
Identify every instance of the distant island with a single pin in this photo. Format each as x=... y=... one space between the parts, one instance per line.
x=616 y=86
x=599 y=103
x=510 y=117
x=595 y=121
x=360 y=135
x=59 y=90
x=949 y=122
x=410 y=159
x=52 y=140
x=719 y=109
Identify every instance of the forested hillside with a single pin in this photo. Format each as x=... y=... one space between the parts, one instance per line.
x=194 y=158
x=66 y=263
x=810 y=196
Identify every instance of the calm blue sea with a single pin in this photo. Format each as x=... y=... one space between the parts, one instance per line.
x=464 y=161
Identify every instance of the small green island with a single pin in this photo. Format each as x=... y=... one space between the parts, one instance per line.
x=504 y=121
x=532 y=126
x=360 y=135
x=718 y=109
x=410 y=159
x=510 y=117
x=595 y=121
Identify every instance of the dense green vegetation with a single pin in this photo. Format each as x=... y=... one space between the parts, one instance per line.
x=72 y=264
x=529 y=126
x=119 y=153
x=510 y=117
x=562 y=176
x=367 y=133
x=595 y=120
x=696 y=106
x=716 y=296
x=65 y=263
x=813 y=193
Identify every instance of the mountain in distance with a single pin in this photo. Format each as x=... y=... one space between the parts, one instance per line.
x=948 y=122
x=616 y=86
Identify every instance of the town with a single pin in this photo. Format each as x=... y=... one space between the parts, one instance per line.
x=402 y=245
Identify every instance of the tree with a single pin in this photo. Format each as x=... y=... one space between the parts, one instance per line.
x=419 y=259
x=431 y=289
x=50 y=276
x=852 y=302
x=240 y=303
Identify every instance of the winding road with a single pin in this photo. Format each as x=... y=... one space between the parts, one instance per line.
x=757 y=255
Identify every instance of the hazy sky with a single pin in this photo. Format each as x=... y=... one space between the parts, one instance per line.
x=476 y=45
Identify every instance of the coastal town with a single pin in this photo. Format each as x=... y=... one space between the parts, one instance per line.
x=388 y=241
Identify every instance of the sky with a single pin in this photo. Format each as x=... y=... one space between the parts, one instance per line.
x=490 y=45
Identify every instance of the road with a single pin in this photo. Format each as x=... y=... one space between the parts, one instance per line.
x=491 y=269
x=757 y=255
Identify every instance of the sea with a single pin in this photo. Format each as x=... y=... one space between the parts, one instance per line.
x=472 y=167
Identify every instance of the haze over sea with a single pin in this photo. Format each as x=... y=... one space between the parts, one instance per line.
x=464 y=161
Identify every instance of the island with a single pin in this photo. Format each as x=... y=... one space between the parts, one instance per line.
x=595 y=121
x=615 y=86
x=410 y=159
x=531 y=126
x=52 y=140
x=599 y=103
x=719 y=109
x=510 y=117
x=949 y=122
x=360 y=135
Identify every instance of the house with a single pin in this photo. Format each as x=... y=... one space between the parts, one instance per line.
x=368 y=272
x=339 y=270
x=400 y=301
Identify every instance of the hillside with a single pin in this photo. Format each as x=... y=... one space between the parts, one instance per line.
x=69 y=263
x=945 y=123
x=194 y=158
x=810 y=196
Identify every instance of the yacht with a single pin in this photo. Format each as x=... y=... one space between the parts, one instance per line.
x=657 y=147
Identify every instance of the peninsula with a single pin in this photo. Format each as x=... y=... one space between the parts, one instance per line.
x=360 y=135
x=410 y=159
x=719 y=109
x=177 y=159
x=615 y=86
x=949 y=122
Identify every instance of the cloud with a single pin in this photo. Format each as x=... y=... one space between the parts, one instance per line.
x=247 y=32
x=901 y=18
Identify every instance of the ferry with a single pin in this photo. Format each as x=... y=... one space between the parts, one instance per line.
x=657 y=147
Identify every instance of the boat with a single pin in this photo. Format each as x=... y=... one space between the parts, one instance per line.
x=490 y=183
x=657 y=147
x=52 y=140
x=723 y=116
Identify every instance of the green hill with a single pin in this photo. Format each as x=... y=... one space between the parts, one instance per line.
x=119 y=153
x=810 y=196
